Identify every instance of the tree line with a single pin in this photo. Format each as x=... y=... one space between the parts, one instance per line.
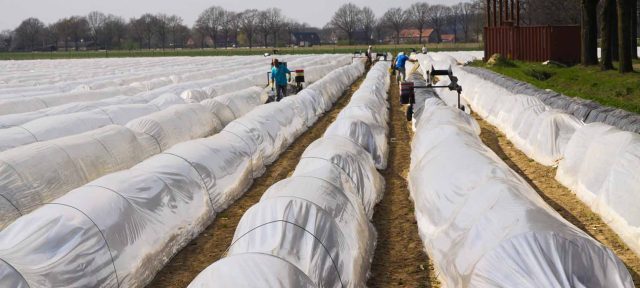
x=616 y=22
x=218 y=27
x=464 y=20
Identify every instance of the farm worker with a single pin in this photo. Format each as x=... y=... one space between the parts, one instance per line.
x=401 y=61
x=369 y=53
x=424 y=49
x=279 y=78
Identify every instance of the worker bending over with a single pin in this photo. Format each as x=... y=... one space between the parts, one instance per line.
x=279 y=76
x=401 y=61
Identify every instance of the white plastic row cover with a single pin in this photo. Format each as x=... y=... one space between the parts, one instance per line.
x=73 y=161
x=121 y=229
x=364 y=120
x=484 y=226
x=32 y=78
x=537 y=130
x=313 y=229
x=59 y=124
x=598 y=162
x=601 y=165
x=248 y=67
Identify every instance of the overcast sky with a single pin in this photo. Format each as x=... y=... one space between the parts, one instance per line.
x=317 y=12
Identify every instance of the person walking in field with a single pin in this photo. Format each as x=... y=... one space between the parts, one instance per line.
x=279 y=79
x=424 y=49
x=401 y=61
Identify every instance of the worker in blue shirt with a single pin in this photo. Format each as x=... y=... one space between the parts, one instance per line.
x=279 y=76
x=401 y=61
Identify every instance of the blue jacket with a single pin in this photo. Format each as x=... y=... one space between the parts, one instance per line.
x=401 y=61
x=280 y=75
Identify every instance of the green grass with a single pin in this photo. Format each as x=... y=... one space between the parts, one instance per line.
x=608 y=88
x=325 y=49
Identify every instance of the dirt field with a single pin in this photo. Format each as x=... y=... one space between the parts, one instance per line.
x=541 y=178
x=399 y=259
x=213 y=242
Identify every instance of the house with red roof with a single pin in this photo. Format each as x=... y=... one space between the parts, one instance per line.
x=413 y=36
x=448 y=38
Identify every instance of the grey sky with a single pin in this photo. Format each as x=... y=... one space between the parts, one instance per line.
x=316 y=13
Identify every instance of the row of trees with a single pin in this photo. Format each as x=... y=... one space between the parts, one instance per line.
x=462 y=19
x=217 y=26
x=618 y=29
x=99 y=31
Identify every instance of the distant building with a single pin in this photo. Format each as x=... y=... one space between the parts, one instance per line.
x=448 y=38
x=305 y=39
x=413 y=36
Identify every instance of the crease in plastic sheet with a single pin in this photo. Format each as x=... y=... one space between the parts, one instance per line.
x=601 y=166
x=232 y=272
x=123 y=227
x=484 y=226
x=27 y=181
x=75 y=160
x=167 y=127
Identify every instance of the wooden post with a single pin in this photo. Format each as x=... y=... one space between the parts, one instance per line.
x=517 y=12
x=495 y=14
x=500 y=2
x=488 y=13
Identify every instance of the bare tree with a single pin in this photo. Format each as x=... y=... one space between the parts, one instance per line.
x=454 y=19
x=397 y=20
x=161 y=25
x=248 y=24
x=29 y=33
x=275 y=22
x=79 y=29
x=418 y=14
x=96 y=21
x=177 y=31
x=263 y=26
x=368 y=22
x=229 y=25
x=6 y=40
x=589 y=32
x=466 y=14
x=62 y=31
x=546 y=12
x=145 y=28
x=437 y=18
x=235 y=27
x=608 y=9
x=624 y=35
x=379 y=30
x=115 y=30
x=210 y=21
x=347 y=19
x=478 y=19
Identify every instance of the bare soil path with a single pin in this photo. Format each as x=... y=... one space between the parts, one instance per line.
x=542 y=179
x=210 y=246
x=399 y=260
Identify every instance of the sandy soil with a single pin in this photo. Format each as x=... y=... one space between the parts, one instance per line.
x=213 y=242
x=399 y=259
x=542 y=179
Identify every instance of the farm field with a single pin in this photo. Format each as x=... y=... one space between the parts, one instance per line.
x=180 y=171
x=322 y=49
